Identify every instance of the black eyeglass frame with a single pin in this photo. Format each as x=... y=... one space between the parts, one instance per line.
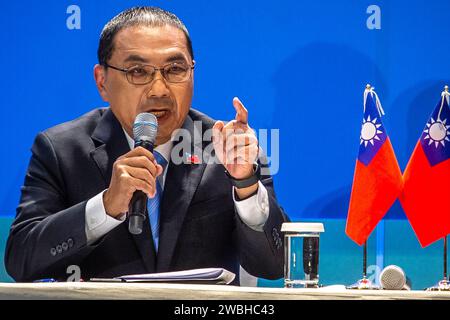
x=161 y=69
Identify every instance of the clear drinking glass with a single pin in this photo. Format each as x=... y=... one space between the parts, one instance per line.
x=301 y=254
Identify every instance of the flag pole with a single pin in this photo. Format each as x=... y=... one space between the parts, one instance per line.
x=445 y=238
x=444 y=284
x=364 y=283
x=365 y=260
x=445 y=281
x=445 y=258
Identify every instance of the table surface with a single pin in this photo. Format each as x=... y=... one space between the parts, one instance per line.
x=172 y=291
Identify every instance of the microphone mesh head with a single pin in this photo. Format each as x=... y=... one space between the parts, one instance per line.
x=392 y=278
x=145 y=127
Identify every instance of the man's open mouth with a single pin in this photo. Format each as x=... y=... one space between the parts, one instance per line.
x=160 y=114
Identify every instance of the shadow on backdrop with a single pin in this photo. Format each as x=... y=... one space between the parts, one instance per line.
x=319 y=135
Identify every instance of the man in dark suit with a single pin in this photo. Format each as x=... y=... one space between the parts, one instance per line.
x=83 y=173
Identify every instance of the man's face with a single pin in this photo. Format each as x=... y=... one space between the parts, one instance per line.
x=170 y=102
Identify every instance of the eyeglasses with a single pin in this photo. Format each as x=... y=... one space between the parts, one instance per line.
x=174 y=72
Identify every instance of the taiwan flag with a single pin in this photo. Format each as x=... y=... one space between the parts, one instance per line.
x=426 y=192
x=377 y=180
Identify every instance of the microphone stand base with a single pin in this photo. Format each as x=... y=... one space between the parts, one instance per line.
x=363 y=284
x=443 y=285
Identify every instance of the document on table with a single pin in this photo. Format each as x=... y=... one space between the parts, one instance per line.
x=204 y=275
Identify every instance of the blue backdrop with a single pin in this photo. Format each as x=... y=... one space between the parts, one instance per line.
x=299 y=66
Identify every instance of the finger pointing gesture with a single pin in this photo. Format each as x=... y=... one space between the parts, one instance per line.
x=241 y=111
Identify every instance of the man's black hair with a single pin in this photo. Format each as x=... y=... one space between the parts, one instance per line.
x=137 y=16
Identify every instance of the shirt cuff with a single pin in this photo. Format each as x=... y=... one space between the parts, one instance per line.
x=98 y=223
x=254 y=211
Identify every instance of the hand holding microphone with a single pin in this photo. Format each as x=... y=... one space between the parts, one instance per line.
x=134 y=174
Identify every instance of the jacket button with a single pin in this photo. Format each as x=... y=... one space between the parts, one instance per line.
x=59 y=248
x=70 y=242
x=65 y=246
x=53 y=251
x=279 y=243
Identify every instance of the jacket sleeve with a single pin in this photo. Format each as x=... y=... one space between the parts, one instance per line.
x=262 y=253
x=47 y=235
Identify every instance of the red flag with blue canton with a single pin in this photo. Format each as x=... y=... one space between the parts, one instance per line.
x=377 y=180
x=426 y=193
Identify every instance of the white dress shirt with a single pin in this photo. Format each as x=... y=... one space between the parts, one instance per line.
x=253 y=211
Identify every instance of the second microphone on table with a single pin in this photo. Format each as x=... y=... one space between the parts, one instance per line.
x=393 y=278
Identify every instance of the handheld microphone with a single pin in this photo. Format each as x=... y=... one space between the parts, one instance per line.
x=393 y=278
x=145 y=129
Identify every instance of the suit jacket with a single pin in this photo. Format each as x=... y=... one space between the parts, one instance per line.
x=199 y=226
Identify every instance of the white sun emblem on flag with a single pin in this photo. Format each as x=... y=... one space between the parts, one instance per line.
x=437 y=132
x=369 y=131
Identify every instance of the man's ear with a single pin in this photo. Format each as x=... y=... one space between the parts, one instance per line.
x=100 y=79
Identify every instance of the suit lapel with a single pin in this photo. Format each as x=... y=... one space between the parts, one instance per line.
x=111 y=143
x=181 y=183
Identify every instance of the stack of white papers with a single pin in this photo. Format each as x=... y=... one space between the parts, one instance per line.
x=205 y=275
